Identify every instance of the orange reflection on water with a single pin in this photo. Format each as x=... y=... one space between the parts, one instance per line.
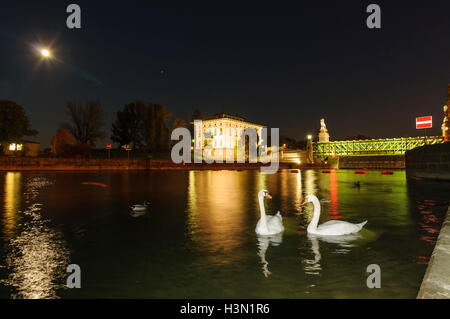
x=430 y=224
x=290 y=186
x=12 y=202
x=334 y=203
x=218 y=211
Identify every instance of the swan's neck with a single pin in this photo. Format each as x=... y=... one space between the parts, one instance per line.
x=262 y=210
x=315 y=220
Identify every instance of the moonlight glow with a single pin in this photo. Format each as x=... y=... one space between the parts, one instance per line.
x=45 y=53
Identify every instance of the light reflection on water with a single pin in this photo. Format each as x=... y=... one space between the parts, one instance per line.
x=37 y=256
x=217 y=212
x=263 y=244
x=197 y=238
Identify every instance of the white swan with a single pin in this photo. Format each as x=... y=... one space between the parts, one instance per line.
x=267 y=224
x=332 y=227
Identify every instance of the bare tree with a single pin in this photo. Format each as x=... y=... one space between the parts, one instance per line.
x=86 y=122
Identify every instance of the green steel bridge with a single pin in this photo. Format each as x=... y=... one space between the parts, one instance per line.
x=387 y=146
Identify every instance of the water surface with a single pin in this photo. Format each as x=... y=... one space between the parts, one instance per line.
x=197 y=239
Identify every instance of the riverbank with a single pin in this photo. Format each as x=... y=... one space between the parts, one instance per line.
x=70 y=164
x=436 y=282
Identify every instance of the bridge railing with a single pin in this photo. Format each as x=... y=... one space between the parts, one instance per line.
x=388 y=146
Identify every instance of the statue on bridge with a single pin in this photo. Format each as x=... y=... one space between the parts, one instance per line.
x=324 y=136
x=322 y=124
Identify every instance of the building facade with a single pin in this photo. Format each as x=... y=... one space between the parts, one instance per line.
x=25 y=148
x=218 y=138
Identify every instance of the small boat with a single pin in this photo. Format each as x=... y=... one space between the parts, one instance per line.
x=387 y=172
x=326 y=171
x=140 y=207
x=360 y=172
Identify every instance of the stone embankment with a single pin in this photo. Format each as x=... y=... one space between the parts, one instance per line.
x=436 y=283
x=69 y=164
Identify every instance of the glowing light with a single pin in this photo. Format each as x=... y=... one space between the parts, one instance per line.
x=45 y=53
x=297 y=160
x=309 y=136
x=12 y=146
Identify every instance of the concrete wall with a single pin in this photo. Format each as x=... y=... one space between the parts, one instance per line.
x=429 y=162
x=436 y=282
x=373 y=162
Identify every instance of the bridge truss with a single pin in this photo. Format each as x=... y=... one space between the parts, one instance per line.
x=388 y=146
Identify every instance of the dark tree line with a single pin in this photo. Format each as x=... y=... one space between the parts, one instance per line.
x=146 y=127
x=142 y=127
x=14 y=123
x=292 y=143
x=86 y=122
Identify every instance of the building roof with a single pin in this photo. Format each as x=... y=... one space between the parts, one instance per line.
x=231 y=117
x=228 y=116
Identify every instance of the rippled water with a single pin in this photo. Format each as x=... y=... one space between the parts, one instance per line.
x=197 y=239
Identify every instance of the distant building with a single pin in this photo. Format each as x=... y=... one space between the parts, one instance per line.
x=222 y=133
x=25 y=148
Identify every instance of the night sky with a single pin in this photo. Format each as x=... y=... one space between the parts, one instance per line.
x=273 y=63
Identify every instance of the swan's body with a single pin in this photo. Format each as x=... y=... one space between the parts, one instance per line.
x=332 y=227
x=267 y=224
x=140 y=207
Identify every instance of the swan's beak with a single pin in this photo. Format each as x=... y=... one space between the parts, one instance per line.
x=304 y=202
x=268 y=195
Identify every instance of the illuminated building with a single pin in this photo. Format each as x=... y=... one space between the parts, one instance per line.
x=26 y=148
x=222 y=134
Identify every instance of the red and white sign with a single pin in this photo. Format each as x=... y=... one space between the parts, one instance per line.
x=424 y=122
x=108 y=146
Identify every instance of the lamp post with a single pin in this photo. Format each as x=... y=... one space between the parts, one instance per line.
x=309 y=150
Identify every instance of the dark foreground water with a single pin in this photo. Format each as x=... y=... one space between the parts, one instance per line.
x=197 y=240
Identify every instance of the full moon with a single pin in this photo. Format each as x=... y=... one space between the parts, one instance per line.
x=45 y=53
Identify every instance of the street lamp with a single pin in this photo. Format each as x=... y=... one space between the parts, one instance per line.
x=309 y=136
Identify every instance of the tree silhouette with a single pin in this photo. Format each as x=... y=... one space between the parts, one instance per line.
x=127 y=128
x=86 y=122
x=14 y=123
x=195 y=116
x=178 y=123
x=62 y=142
x=145 y=127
